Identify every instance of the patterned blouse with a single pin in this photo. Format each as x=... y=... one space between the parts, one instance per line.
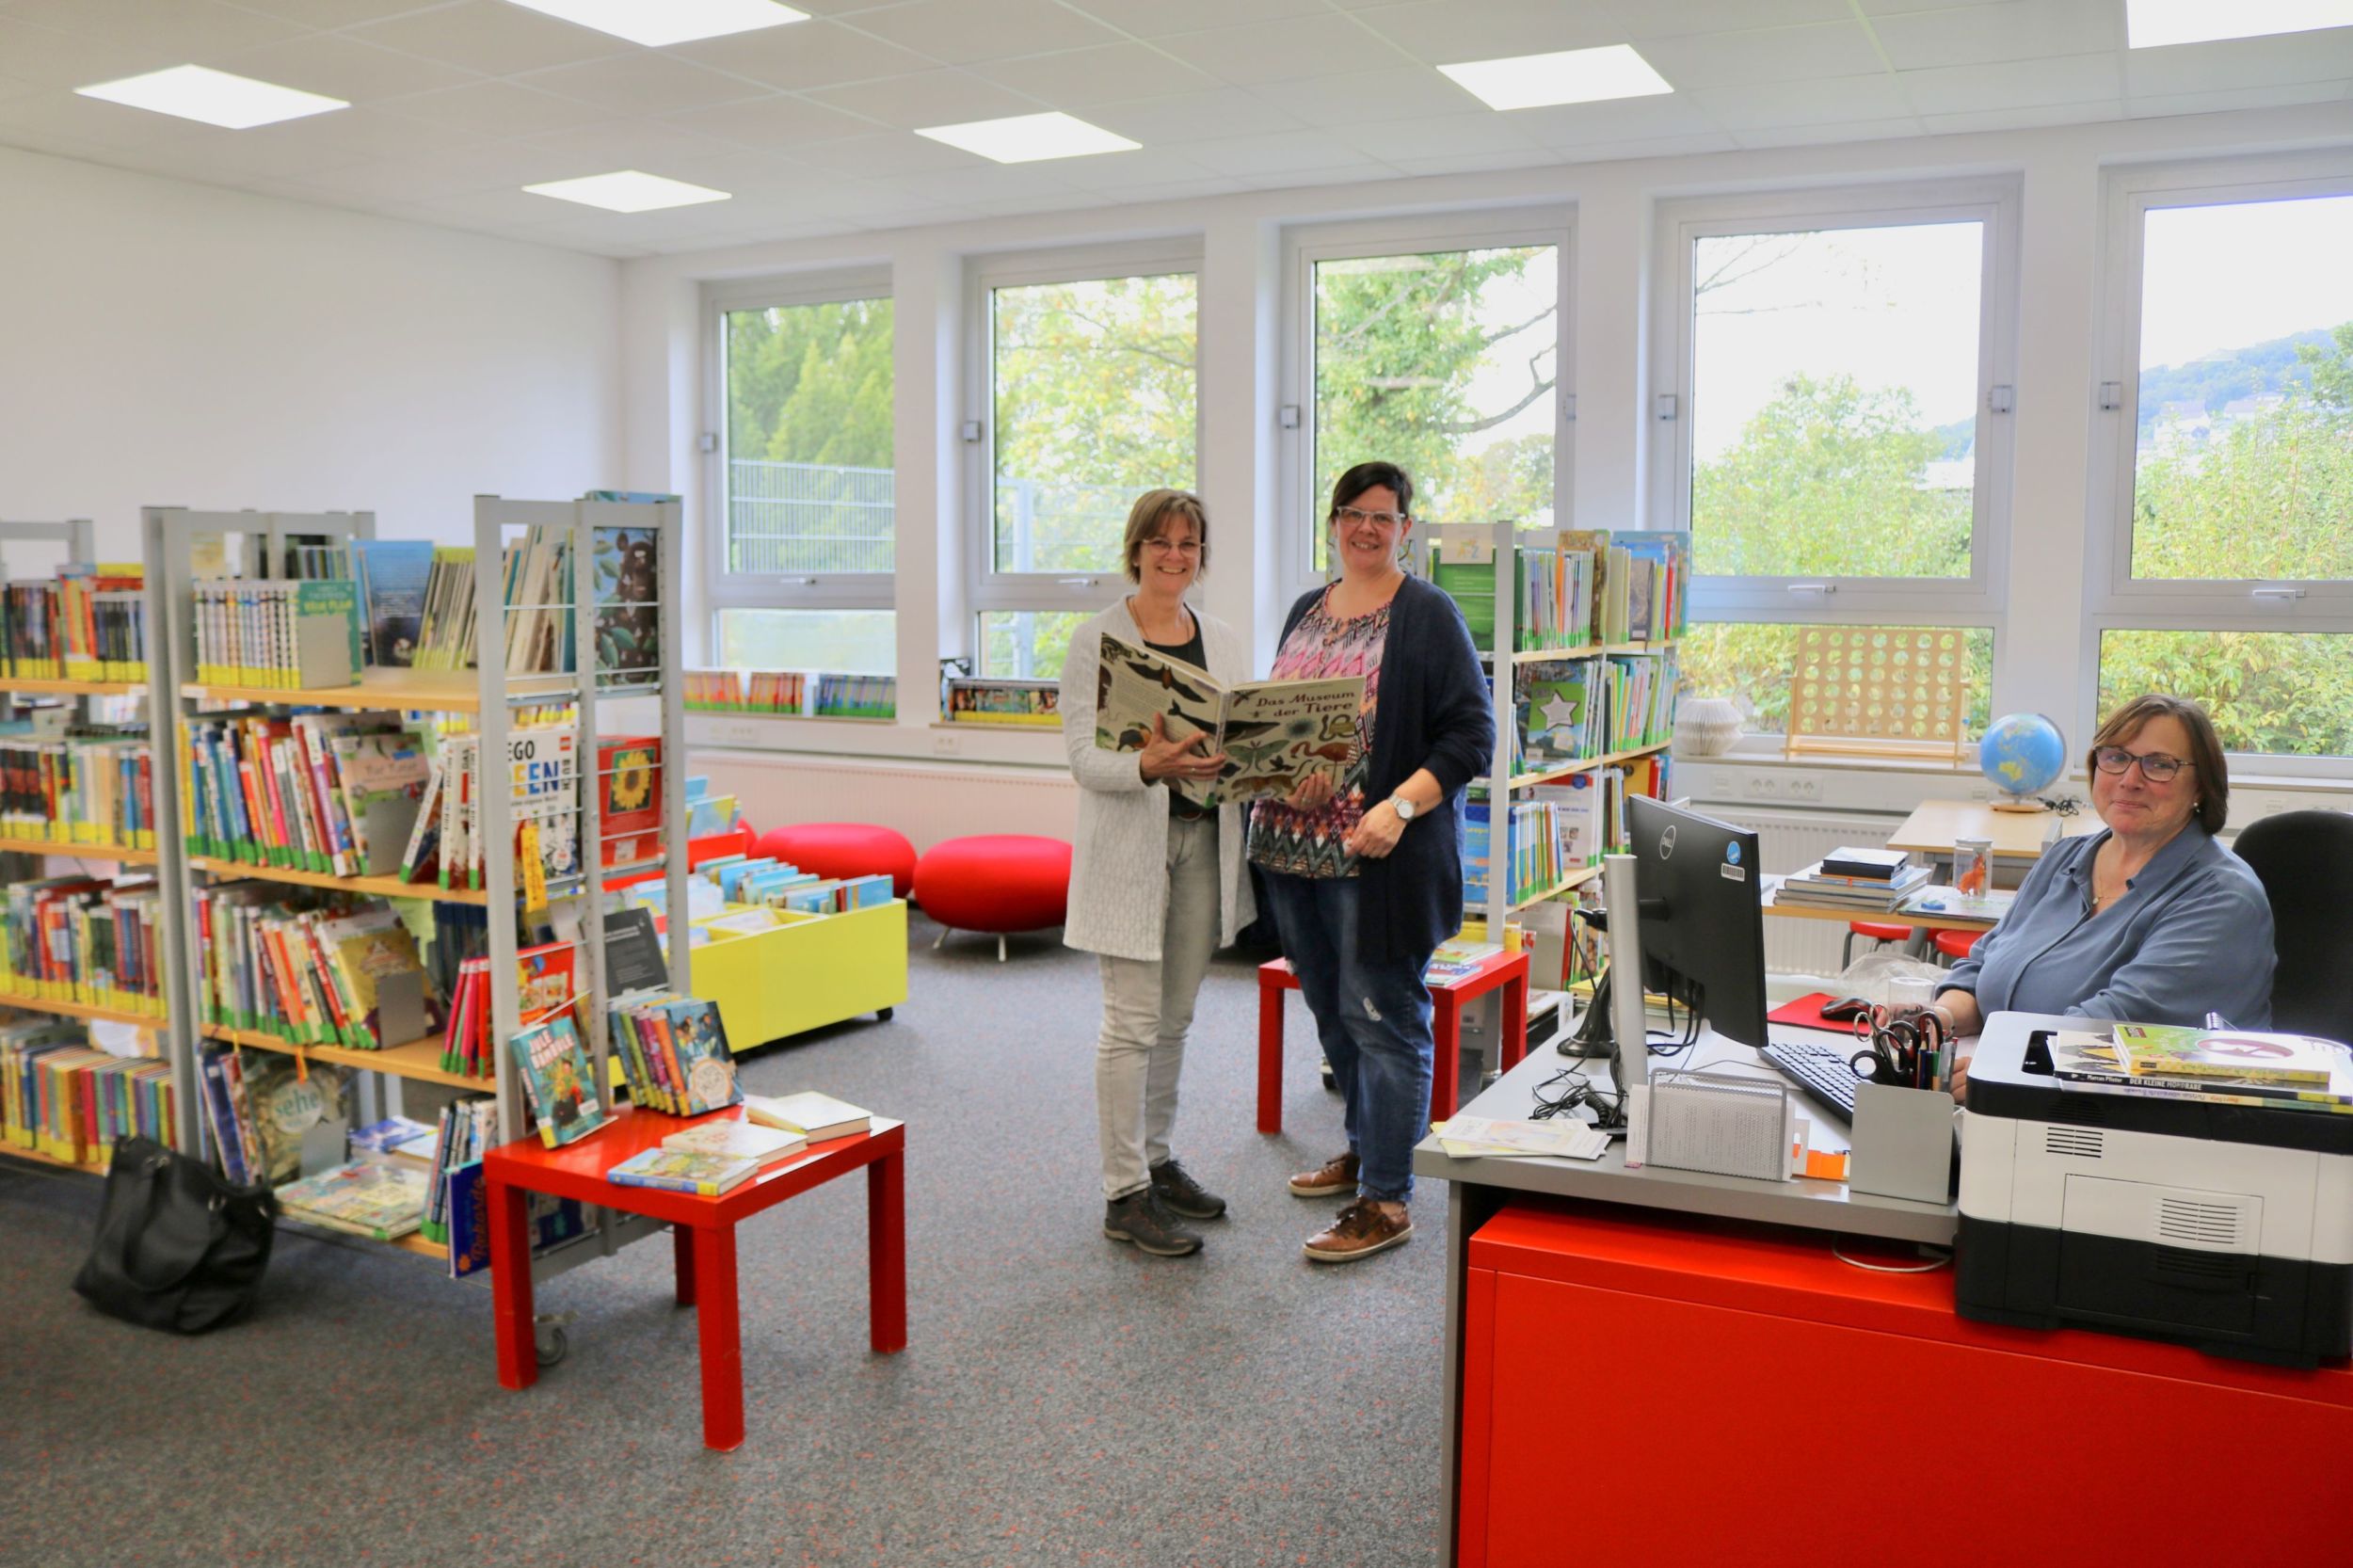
x=1308 y=844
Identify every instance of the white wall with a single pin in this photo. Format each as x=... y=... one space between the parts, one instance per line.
x=2040 y=657
x=163 y=343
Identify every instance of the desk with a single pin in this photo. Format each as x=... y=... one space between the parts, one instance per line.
x=1770 y=886
x=1507 y=971
x=2017 y=835
x=702 y=1235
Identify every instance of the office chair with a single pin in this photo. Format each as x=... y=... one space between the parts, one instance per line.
x=2305 y=861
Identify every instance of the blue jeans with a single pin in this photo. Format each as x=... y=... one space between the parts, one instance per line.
x=1373 y=1017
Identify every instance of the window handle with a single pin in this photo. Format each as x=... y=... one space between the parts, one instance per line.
x=1077 y=581
x=2278 y=596
x=1814 y=590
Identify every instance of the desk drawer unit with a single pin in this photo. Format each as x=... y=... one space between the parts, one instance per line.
x=1681 y=1392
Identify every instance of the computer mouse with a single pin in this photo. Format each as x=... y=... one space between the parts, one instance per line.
x=1845 y=1009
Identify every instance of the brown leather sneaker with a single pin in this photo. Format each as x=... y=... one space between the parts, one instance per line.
x=1362 y=1229
x=1335 y=1179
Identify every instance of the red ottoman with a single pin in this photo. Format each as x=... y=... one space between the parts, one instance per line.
x=995 y=882
x=838 y=849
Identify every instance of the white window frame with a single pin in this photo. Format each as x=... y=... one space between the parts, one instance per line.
x=1976 y=599
x=987 y=589
x=1306 y=245
x=2114 y=601
x=732 y=590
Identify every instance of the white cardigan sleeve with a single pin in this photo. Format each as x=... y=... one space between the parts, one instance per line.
x=1113 y=772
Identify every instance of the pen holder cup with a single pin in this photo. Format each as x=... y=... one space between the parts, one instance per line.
x=1903 y=1142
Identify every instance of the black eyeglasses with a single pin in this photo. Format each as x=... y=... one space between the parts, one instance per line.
x=2156 y=766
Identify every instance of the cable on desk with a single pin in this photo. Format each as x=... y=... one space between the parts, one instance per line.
x=1942 y=1259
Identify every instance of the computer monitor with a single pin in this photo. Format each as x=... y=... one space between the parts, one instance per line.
x=1701 y=917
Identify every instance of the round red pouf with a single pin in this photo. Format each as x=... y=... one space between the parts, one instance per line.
x=840 y=849
x=996 y=883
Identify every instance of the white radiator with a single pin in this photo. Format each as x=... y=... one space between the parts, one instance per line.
x=1791 y=841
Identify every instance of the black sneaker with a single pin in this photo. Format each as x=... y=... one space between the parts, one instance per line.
x=1139 y=1218
x=1181 y=1194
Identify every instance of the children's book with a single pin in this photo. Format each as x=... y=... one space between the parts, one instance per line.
x=365 y=950
x=627 y=567
x=814 y=1115
x=563 y=1089
x=2172 y=1050
x=386 y=1202
x=393 y=577
x=1275 y=734
x=632 y=951
x=708 y=1174
x=700 y=1043
x=737 y=1140
x=629 y=799
x=547 y=981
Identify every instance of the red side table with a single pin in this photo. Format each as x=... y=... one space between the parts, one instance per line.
x=1506 y=970
x=703 y=1238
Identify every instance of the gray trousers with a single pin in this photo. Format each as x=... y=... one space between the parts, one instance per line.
x=1148 y=1008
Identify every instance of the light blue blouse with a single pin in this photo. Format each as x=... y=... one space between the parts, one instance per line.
x=2192 y=934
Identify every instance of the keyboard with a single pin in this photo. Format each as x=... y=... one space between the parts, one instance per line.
x=1821 y=1071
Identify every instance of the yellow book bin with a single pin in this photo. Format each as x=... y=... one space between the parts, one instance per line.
x=811 y=970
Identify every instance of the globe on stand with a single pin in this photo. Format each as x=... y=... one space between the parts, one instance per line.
x=2022 y=755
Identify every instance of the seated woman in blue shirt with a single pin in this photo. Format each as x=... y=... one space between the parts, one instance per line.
x=2151 y=921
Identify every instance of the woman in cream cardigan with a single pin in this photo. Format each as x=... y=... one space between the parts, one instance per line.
x=1157 y=883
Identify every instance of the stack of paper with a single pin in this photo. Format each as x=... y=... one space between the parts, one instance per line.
x=1486 y=1137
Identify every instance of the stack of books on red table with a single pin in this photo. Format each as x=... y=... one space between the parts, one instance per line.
x=1868 y=881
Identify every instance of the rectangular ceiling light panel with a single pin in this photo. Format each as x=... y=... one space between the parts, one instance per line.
x=628 y=191
x=1570 y=76
x=657 y=22
x=1029 y=138
x=213 y=97
x=2155 y=24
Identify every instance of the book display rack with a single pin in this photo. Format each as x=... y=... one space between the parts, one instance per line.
x=99 y=947
x=567 y=645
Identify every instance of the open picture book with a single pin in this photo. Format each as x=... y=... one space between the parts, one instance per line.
x=1275 y=734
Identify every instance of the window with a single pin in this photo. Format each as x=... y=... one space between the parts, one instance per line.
x=2224 y=569
x=799 y=562
x=1439 y=350
x=1026 y=643
x=1831 y=422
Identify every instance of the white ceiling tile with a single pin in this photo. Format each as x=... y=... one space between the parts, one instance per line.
x=1772 y=105
x=1443 y=32
x=1249 y=156
x=958 y=32
x=1182 y=191
x=646 y=144
x=2143 y=107
x=2252 y=62
x=1480 y=163
x=335 y=13
x=2011 y=30
x=1162 y=18
x=942 y=97
x=1449 y=135
x=1289 y=50
x=1659 y=147
x=1627 y=119
x=1404 y=93
x=366 y=133
x=49 y=58
x=1081 y=78
x=1188 y=117
x=1815 y=136
x=805 y=55
x=2020 y=83
x=91 y=121
x=778 y=124
x=983 y=183
x=498 y=207
x=1307 y=179
x=1076 y=201
x=219 y=157
x=643 y=82
x=1765 y=55
x=180 y=27
x=2022 y=117
x=1900 y=8
x=1116 y=172
x=875 y=156
x=339 y=67
x=496 y=109
x=493 y=37
x=1642 y=19
x=11 y=87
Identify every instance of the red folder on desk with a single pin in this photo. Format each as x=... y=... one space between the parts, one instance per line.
x=1806 y=1012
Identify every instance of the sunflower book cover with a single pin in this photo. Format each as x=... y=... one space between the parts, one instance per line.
x=629 y=802
x=1275 y=734
x=555 y=1071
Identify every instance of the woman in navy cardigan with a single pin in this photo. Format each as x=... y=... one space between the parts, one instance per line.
x=1366 y=881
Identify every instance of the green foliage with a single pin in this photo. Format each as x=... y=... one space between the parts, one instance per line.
x=2276 y=365
x=1398 y=341
x=811 y=383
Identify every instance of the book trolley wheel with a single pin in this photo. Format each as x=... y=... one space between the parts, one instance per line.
x=881 y=1015
x=548 y=1341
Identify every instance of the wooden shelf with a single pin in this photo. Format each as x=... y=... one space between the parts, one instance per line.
x=78 y=852
x=827 y=718
x=433 y=691
x=94 y=1167
x=1546 y=655
x=414 y=1242
x=80 y=1010
x=28 y=685
x=1566 y=770
x=382 y=887
x=1576 y=879
x=419 y=1060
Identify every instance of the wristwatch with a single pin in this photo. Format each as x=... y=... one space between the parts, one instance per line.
x=1403 y=807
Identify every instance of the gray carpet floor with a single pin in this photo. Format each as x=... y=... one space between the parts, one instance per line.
x=1063 y=1398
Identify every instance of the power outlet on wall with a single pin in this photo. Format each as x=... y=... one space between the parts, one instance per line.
x=947 y=743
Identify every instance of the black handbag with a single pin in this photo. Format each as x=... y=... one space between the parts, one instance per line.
x=177 y=1248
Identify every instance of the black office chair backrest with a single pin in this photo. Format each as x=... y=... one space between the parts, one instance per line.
x=2305 y=859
